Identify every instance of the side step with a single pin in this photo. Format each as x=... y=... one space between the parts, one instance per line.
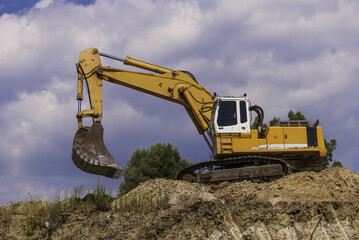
x=90 y=154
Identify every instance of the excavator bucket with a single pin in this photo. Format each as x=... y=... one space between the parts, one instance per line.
x=90 y=154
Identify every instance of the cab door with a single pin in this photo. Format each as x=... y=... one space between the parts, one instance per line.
x=244 y=121
x=232 y=117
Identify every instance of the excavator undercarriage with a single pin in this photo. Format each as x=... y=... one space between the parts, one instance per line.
x=254 y=168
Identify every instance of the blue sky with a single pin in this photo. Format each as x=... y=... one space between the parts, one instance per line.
x=299 y=55
x=21 y=6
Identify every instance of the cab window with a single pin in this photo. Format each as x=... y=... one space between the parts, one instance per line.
x=243 y=111
x=227 y=114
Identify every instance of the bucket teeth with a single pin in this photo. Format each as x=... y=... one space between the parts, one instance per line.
x=90 y=154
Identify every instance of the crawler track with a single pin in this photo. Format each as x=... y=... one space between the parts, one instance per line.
x=251 y=165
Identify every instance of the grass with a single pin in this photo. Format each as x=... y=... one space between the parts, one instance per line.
x=47 y=217
x=30 y=224
x=40 y=219
x=102 y=200
x=5 y=219
x=249 y=197
x=142 y=204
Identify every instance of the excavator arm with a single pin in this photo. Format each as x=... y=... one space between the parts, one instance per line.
x=89 y=151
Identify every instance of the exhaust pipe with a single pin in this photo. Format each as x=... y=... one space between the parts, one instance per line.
x=90 y=154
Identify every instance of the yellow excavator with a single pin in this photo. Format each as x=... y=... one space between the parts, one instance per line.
x=239 y=152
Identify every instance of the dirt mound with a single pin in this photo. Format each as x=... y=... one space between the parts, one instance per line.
x=335 y=184
x=289 y=208
x=304 y=205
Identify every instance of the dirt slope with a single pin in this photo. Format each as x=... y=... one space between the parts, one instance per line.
x=321 y=205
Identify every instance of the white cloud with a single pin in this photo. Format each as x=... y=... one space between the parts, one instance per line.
x=43 y=3
x=32 y=122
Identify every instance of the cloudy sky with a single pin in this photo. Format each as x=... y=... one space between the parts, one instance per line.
x=299 y=55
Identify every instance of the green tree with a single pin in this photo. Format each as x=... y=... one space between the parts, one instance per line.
x=331 y=146
x=291 y=116
x=255 y=123
x=158 y=161
x=337 y=163
x=296 y=116
x=274 y=121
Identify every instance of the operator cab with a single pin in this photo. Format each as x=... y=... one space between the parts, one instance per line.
x=231 y=115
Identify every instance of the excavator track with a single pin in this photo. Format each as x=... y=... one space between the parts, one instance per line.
x=255 y=168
